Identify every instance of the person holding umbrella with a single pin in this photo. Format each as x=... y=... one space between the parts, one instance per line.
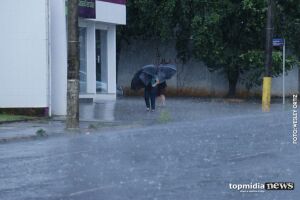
x=150 y=93
x=149 y=77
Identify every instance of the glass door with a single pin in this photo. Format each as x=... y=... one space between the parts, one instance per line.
x=101 y=61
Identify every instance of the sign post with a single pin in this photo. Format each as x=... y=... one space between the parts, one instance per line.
x=283 y=74
x=280 y=42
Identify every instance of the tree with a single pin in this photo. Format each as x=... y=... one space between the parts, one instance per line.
x=253 y=67
x=159 y=20
x=221 y=33
x=230 y=37
x=287 y=24
x=73 y=67
x=228 y=30
x=146 y=20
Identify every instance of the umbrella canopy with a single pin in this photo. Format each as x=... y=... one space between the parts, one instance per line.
x=163 y=72
x=140 y=80
x=144 y=76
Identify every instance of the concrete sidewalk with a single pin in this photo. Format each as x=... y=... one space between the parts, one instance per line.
x=131 y=112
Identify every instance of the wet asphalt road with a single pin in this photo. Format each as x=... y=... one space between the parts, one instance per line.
x=188 y=150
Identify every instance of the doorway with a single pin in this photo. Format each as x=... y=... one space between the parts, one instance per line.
x=101 y=61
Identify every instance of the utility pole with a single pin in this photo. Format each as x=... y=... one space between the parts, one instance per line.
x=266 y=97
x=72 y=121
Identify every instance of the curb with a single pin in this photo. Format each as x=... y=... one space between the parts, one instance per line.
x=20 y=120
x=18 y=138
x=35 y=135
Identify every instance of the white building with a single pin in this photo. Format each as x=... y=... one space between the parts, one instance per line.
x=34 y=53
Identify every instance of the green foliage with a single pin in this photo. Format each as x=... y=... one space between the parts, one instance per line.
x=231 y=38
x=41 y=133
x=252 y=67
x=92 y=126
x=287 y=23
x=150 y=19
x=160 y=20
x=164 y=117
x=228 y=30
x=11 y=117
x=225 y=34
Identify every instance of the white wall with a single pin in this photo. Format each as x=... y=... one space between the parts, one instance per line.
x=58 y=57
x=291 y=83
x=24 y=53
x=91 y=58
x=110 y=12
x=111 y=60
x=27 y=49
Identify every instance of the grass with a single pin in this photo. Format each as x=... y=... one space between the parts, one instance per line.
x=41 y=132
x=9 y=118
x=164 y=117
x=93 y=126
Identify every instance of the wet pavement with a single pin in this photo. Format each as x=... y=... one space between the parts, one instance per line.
x=132 y=110
x=189 y=149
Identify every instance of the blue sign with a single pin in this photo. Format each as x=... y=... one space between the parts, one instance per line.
x=278 y=42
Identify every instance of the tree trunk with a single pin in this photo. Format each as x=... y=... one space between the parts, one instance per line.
x=233 y=77
x=72 y=121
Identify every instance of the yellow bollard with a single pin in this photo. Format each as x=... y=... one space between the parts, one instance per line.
x=266 y=97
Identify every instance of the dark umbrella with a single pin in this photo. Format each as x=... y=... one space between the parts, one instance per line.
x=143 y=76
x=163 y=72
x=140 y=80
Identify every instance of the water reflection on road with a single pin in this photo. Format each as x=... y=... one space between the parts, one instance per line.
x=98 y=111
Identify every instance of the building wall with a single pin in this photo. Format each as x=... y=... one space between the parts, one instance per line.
x=110 y=12
x=108 y=46
x=24 y=53
x=105 y=21
x=58 y=48
x=194 y=77
x=34 y=52
x=111 y=59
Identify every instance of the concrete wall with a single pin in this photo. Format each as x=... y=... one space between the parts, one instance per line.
x=291 y=83
x=24 y=53
x=194 y=77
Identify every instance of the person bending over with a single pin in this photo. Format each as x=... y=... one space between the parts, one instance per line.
x=150 y=94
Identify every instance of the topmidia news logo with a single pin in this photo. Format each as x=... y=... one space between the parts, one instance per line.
x=279 y=186
x=262 y=187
